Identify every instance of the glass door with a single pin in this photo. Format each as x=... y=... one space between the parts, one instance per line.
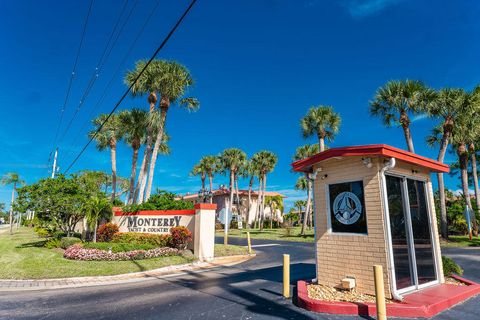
x=410 y=229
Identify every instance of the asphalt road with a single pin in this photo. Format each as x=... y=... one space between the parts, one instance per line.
x=251 y=290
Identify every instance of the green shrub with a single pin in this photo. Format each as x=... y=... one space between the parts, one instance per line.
x=117 y=247
x=42 y=232
x=52 y=243
x=106 y=232
x=160 y=201
x=68 y=241
x=157 y=240
x=450 y=267
x=180 y=236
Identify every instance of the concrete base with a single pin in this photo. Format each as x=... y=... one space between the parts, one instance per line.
x=421 y=304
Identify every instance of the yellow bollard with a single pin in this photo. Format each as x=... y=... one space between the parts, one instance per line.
x=249 y=243
x=379 y=292
x=286 y=275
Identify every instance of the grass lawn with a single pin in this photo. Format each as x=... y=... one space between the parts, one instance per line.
x=461 y=241
x=272 y=234
x=22 y=257
x=222 y=250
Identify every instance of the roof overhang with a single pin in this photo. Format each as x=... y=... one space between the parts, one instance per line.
x=381 y=150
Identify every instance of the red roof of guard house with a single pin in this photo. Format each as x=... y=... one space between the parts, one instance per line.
x=369 y=151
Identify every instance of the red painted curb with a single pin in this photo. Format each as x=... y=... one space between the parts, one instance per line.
x=425 y=303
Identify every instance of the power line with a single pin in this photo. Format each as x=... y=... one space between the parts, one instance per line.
x=114 y=76
x=72 y=76
x=103 y=58
x=162 y=44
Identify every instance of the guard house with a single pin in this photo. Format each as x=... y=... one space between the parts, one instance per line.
x=374 y=205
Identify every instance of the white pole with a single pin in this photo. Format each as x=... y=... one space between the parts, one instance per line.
x=54 y=163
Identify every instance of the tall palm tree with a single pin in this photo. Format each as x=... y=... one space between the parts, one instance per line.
x=303 y=152
x=250 y=172
x=321 y=121
x=231 y=160
x=475 y=101
x=212 y=166
x=173 y=84
x=200 y=170
x=134 y=123
x=466 y=130
x=14 y=179
x=265 y=161
x=145 y=84
x=108 y=137
x=396 y=101
x=447 y=105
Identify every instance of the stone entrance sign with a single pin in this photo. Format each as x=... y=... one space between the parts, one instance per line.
x=200 y=221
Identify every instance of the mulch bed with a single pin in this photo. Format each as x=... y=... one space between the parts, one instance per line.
x=327 y=293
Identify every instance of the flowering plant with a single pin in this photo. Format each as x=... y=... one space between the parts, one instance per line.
x=78 y=252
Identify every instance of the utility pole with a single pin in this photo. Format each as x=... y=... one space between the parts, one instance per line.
x=54 y=169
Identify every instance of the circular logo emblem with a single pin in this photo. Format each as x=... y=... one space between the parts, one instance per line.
x=347 y=208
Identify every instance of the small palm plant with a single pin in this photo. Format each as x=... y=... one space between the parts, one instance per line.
x=396 y=101
x=12 y=178
x=322 y=122
x=95 y=208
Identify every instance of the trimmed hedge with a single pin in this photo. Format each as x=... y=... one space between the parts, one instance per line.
x=117 y=247
x=69 y=241
x=157 y=240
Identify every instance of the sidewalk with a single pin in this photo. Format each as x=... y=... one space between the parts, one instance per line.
x=170 y=271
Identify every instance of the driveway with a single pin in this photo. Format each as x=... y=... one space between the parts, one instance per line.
x=251 y=290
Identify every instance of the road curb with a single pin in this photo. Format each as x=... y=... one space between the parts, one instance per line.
x=164 y=272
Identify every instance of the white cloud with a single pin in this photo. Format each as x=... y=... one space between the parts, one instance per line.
x=419 y=117
x=364 y=8
x=459 y=192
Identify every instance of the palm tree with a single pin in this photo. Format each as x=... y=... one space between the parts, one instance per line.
x=265 y=161
x=300 y=204
x=134 y=124
x=447 y=105
x=397 y=100
x=303 y=152
x=231 y=160
x=14 y=179
x=200 y=170
x=96 y=207
x=250 y=172
x=107 y=137
x=145 y=84
x=321 y=121
x=172 y=85
x=212 y=166
x=466 y=130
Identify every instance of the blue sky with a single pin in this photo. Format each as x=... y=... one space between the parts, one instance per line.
x=258 y=66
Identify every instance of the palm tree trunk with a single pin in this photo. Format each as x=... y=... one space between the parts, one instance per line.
x=11 y=207
x=164 y=105
x=210 y=179
x=262 y=212
x=203 y=177
x=475 y=179
x=137 y=185
x=441 y=185
x=259 y=204
x=321 y=143
x=405 y=122
x=239 y=214
x=230 y=206
x=133 y=174
x=142 y=178
x=250 y=185
x=95 y=231
x=307 y=208
x=463 y=158
x=113 y=156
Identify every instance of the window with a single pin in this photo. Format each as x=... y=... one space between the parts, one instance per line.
x=347 y=207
